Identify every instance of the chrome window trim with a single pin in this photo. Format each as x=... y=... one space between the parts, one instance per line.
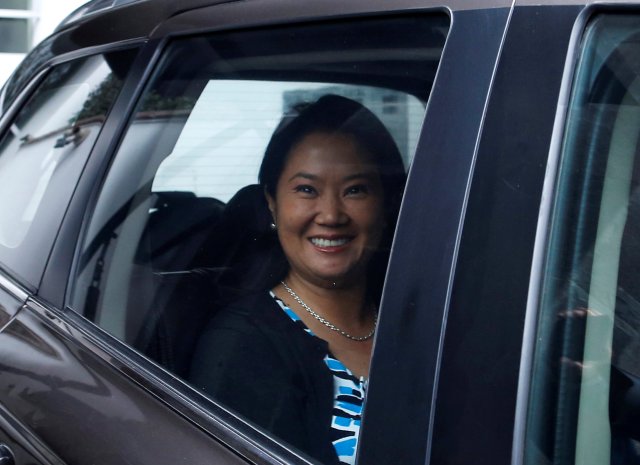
x=14 y=289
x=538 y=266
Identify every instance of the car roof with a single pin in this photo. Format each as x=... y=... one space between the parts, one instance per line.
x=141 y=17
x=157 y=10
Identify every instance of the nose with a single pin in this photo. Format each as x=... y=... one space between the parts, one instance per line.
x=331 y=211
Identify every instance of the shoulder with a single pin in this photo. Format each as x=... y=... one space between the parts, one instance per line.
x=258 y=304
x=255 y=313
x=256 y=326
x=253 y=325
x=253 y=339
x=239 y=341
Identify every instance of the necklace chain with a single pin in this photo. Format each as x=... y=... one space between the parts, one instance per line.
x=327 y=323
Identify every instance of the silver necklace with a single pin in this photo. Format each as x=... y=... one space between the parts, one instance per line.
x=327 y=323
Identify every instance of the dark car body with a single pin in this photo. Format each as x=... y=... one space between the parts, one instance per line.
x=461 y=342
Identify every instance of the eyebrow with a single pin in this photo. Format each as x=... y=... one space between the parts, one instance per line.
x=304 y=175
x=367 y=176
x=351 y=177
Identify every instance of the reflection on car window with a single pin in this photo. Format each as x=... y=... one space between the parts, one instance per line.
x=223 y=121
x=583 y=406
x=193 y=233
x=47 y=144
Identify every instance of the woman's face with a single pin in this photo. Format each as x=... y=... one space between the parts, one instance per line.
x=328 y=210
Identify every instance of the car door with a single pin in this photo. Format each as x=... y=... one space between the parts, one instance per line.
x=98 y=379
x=205 y=123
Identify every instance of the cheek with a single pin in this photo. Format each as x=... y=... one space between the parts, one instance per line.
x=372 y=220
x=293 y=216
x=376 y=213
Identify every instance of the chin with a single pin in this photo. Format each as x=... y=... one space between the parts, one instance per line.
x=337 y=277
x=340 y=281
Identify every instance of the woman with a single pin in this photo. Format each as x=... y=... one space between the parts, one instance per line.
x=294 y=357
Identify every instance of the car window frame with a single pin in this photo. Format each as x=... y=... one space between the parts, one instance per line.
x=153 y=378
x=216 y=415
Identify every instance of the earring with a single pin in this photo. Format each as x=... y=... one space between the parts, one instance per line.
x=274 y=226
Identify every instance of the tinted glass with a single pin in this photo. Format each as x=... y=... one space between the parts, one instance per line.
x=586 y=379
x=42 y=153
x=182 y=230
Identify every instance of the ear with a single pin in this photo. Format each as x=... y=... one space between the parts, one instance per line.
x=271 y=202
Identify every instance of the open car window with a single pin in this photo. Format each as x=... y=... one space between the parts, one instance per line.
x=178 y=226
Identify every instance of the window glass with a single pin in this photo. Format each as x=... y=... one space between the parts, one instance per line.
x=187 y=226
x=42 y=153
x=15 y=4
x=223 y=119
x=15 y=35
x=584 y=405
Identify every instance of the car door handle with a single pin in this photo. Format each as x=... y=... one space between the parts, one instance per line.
x=6 y=456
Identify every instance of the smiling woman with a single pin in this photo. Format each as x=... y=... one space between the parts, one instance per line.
x=294 y=355
x=328 y=209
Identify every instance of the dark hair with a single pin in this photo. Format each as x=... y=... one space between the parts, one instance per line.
x=334 y=114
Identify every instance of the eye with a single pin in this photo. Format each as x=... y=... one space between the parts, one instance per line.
x=305 y=189
x=358 y=189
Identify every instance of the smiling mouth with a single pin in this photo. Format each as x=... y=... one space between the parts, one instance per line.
x=329 y=242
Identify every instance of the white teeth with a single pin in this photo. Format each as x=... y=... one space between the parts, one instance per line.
x=328 y=243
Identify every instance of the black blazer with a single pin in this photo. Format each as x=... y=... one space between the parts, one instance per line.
x=252 y=358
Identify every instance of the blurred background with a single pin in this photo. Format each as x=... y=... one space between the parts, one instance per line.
x=24 y=23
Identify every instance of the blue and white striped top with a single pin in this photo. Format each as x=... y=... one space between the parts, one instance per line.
x=348 y=398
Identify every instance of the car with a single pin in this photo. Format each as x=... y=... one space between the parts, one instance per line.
x=509 y=326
